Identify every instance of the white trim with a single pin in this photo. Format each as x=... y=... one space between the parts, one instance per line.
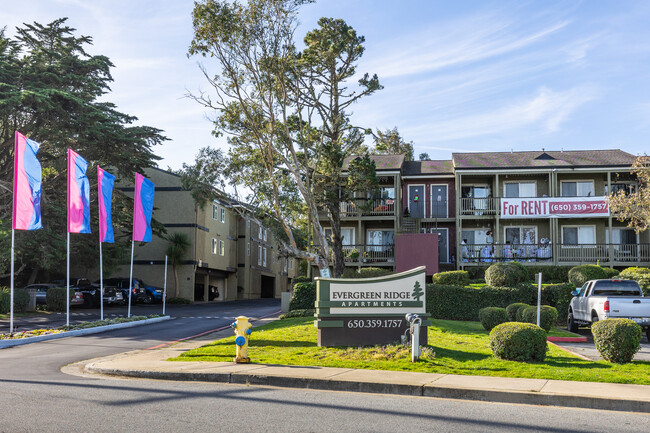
x=593 y=185
x=431 y=185
x=424 y=194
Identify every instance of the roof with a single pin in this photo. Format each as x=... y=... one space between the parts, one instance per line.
x=382 y=162
x=415 y=168
x=542 y=159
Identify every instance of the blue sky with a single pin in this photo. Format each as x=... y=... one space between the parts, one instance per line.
x=459 y=76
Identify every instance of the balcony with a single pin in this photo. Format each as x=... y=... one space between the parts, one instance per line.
x=480 y=206
x=368 y=254
x=362 y=207
x=621 y=254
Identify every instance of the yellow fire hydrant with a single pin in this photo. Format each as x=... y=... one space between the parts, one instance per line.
x=242 y=331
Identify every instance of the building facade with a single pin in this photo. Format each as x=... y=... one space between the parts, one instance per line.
x=489 y=207
x=231 y=255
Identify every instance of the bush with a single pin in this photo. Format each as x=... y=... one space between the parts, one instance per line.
x=178 y=301
x=373 y=272
x=512 y=309
x=617 y=340
x=492 y=316
x=640 y=275
x=21 y=300
x=55 y=298
x=558 y=296
x=518 y=342
x=547 y=320
x=476 y=273
x=579 y=275
x=5 y=299
x=519 y=314
x=506 y=274
x=303 y=296
x=299 y=313
x=301 y=279
x=550 y=274
x=611 y=272
x=452 y=278
x=463 y=303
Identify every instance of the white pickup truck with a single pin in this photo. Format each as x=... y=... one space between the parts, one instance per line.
x=605 y=299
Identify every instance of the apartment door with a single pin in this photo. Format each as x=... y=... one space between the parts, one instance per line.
x=443 y=245
x=439 y=201
x=416 y=201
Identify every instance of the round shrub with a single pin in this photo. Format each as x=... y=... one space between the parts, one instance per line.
x=492 y=316
x=611 y=272
x=507 y=274
x=519 y=315
x=303 y=296
x=452 y=278
x=55 y=298
x=579 y=275
x=518 y=342
x=21 y=300
x=640 y=275
x=512 y=310
x=617 y=340
x=547 y=320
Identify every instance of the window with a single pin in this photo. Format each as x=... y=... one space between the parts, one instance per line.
x=578 y=235
x=223 y=215
x=222 y=248
x=622 y=236
x=382 y=240
x=348 y=236
x=520 y=189
x=286 y=264
x=266 y=235
x=214 y=246
x=259 y=255
x=264 y=261
x=521 y=235
x=215 y=211
x=248 y=223
x=260 y=233
x=581 y=188
x=248 y=249
x=628 y=188
x=474 y=198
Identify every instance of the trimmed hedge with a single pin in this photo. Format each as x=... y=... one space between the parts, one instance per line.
x=464 y=303
x=579 y=275
x=617 y=340
x=518 y=342
x=547 y=320
x=476 y=273
x=512 y=309
x=558 y=296
x=519 y=314
x=492 y=316
x=550 y=274
x=55 y=298
x=21 y=300
x=299 y=313
x=506 y=274
x=611 y=272
x=640 y=275
x=370 y=272
x=5 y=299
x=452 y=278
x=303 y=297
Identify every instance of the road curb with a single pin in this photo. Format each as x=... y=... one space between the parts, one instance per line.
x=96 y=330
x=427 y=390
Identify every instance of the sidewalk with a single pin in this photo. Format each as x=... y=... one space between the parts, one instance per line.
x=153 y=364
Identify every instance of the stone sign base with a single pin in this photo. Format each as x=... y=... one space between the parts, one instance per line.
x=364 y=331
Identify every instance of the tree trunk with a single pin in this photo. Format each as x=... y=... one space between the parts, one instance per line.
x=337 y=242
x=176 y=292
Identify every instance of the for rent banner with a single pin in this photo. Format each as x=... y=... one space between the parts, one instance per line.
x=554 y=207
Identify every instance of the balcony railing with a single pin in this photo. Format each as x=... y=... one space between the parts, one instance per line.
x=581 y=253
x=479 y=206
x=369 y=253
x=368 y=207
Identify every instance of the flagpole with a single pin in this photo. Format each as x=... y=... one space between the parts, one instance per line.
x=131 y=279
x=165 y=287
x=101 y=280
x=11 y=308
x=67 y=296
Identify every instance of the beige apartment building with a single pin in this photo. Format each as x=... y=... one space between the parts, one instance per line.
x=231 y=255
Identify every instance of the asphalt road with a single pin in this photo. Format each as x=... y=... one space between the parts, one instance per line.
x=35 y=396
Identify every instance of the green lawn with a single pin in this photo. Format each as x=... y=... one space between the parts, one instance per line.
x=460 y=348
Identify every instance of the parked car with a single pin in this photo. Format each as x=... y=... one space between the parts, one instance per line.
x=41 y=291
x=603 y=299
x=154 y=294
x=138 y=293
x=91 y=292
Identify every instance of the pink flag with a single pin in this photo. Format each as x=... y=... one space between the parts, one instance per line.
x=142 y=208
x=27 y=185
x=78 y=194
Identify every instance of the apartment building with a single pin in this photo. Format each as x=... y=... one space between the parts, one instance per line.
x=539 y=207
x=231 y=256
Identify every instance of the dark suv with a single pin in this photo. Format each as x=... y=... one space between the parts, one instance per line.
x=138 y=293
x=91 y=292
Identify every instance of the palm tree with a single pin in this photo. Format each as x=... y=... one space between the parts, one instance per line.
x=179 y=244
